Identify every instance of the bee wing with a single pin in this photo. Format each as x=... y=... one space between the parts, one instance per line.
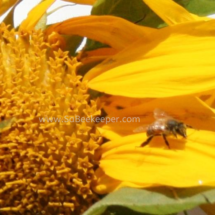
x=161 y=118
x=160 y=114
x=140 y=129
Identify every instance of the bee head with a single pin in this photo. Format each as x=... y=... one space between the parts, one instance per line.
x=181 y=129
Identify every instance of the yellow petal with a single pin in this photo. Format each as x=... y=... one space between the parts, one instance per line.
x=106 y=184
x=6 y=4
x=179 y=61
x=171 y=12
x=188 y=163
x=87 y=2
x=138 y=49
x=35 y=14
x=110 y=134
x=103 y=180
x=114 y=31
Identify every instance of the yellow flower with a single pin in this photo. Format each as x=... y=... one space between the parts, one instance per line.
x=47 y=158
x=170 y=69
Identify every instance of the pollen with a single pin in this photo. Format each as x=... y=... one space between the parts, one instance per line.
x=47 y=149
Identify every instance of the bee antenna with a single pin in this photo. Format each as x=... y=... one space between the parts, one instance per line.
x=189 y=126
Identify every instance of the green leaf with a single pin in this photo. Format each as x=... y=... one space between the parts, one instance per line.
x=114 y=210
x=117 y=210
x=94 y=94
x=72 y=43
x=159 y=201
x=87 y=66
x=199 y=7
x=127 y=9
x=138 y=12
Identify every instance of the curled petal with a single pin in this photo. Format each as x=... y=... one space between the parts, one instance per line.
x=114 y=31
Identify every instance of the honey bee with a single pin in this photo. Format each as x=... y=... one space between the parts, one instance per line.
x=164 y=125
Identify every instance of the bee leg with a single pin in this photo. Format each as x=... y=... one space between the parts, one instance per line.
x=189 y=126
x=167 y=143
x=174 y=132
x=147 y=141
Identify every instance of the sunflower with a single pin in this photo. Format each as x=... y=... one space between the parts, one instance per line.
x=145 y=68
x=47 y=157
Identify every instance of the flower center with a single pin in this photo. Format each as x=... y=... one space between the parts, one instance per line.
x=46 y=146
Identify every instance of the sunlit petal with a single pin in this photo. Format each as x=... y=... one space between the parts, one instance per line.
x=188 y=163
x=107 y=184
x=179 y=61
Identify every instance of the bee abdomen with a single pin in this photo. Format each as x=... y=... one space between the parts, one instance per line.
x=153 y=130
